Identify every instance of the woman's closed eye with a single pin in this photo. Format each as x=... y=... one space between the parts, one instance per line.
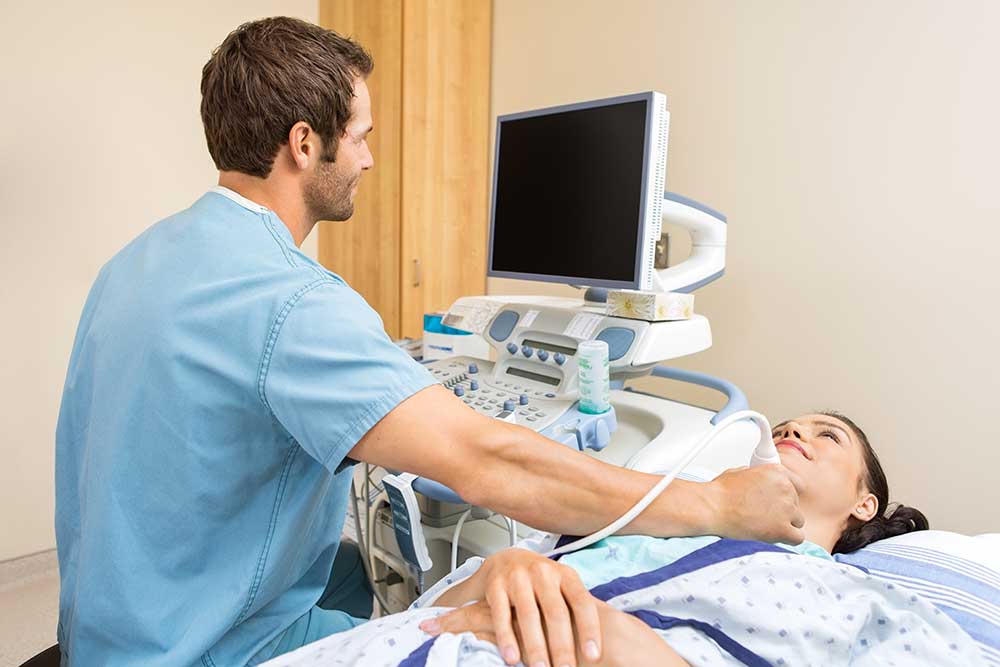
x=830 y=434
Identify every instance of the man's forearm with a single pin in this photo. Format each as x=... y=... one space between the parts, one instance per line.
x=546 y=485
x=551 y=487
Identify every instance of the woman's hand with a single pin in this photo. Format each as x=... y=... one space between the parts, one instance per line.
x=627 y=641
x=549 y=602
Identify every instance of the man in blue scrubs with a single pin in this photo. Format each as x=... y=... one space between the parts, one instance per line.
x=222 y=383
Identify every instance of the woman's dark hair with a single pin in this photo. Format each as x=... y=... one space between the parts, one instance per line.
x=268 y=75
x=889 y=520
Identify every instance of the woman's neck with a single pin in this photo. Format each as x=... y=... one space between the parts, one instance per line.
x=824 y=532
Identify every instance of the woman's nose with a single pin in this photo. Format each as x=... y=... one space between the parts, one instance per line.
x=792 y=430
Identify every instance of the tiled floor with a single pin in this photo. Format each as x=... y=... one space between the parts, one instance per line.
x=29 y=606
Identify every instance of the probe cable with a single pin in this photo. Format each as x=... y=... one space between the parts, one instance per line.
x=763 y=453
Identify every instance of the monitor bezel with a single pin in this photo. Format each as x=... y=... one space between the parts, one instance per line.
x=647 y=164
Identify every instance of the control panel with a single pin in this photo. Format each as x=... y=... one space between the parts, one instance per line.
x=536 y=339
x=525 y=401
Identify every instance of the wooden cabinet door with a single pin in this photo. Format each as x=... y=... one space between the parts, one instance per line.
x=445 y=161
x=417 y=240
x=365 y=249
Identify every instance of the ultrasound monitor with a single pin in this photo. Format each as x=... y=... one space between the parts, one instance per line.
x=578 y=192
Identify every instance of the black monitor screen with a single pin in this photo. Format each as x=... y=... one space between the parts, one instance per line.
x=569 y=193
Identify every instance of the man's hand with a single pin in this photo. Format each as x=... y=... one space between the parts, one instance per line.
x=549 y=602
x=760 y=503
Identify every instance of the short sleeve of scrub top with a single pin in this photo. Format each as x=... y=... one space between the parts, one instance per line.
x=331 y=373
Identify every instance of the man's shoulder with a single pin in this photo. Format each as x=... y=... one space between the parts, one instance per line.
x=217 y=251
x=216 y=234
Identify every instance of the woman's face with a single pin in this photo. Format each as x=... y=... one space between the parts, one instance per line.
x=829 y=458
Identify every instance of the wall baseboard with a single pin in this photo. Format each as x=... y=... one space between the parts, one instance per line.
x=18 y=571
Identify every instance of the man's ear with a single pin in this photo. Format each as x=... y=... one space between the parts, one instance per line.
x=866 y=508
x=302 y=144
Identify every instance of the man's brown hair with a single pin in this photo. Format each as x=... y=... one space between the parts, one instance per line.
x=268 y=75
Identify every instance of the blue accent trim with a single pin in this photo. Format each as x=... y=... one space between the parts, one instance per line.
x=433 y=324
x=596 y=295
x=687 y=289
x=589 y=433
x=418 y=658
x=737 y=399
x=619 y=340
x=687 y=201
x=716 y=552
x=636 y=282
x=437 y=491
x=503 y=325
x=725 y=642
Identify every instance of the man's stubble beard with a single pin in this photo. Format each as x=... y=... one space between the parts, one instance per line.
x=328 y=194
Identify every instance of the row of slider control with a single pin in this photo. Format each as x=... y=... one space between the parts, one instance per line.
x=460 y=390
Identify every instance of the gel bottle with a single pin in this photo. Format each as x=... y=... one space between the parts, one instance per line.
x=595 y=377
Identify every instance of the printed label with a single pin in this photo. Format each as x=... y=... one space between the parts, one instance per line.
x=529 y=318
x=582 y=325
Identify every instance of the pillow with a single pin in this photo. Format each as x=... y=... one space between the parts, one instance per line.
x=958 y=573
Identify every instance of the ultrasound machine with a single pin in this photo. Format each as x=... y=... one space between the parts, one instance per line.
x=577 y=199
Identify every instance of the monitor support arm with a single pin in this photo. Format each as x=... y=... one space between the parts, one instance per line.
x=707 y=261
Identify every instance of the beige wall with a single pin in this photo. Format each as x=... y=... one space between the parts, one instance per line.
x=854 y=147
x=100 y=137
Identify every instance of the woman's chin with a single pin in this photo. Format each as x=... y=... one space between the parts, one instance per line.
x=791 y=458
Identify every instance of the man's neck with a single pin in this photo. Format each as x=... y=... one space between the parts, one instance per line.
x=285 y=201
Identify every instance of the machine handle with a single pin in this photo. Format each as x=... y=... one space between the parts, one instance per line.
x=737 y=399
x=436 y=490
x=707 y=262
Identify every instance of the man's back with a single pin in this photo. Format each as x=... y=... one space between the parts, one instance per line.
x=193 y=512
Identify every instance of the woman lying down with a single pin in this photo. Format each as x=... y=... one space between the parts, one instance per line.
x=686 y=601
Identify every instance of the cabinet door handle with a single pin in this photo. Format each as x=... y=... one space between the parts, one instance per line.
x=416 y=273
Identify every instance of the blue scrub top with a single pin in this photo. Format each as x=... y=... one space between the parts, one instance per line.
x=218 y=380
